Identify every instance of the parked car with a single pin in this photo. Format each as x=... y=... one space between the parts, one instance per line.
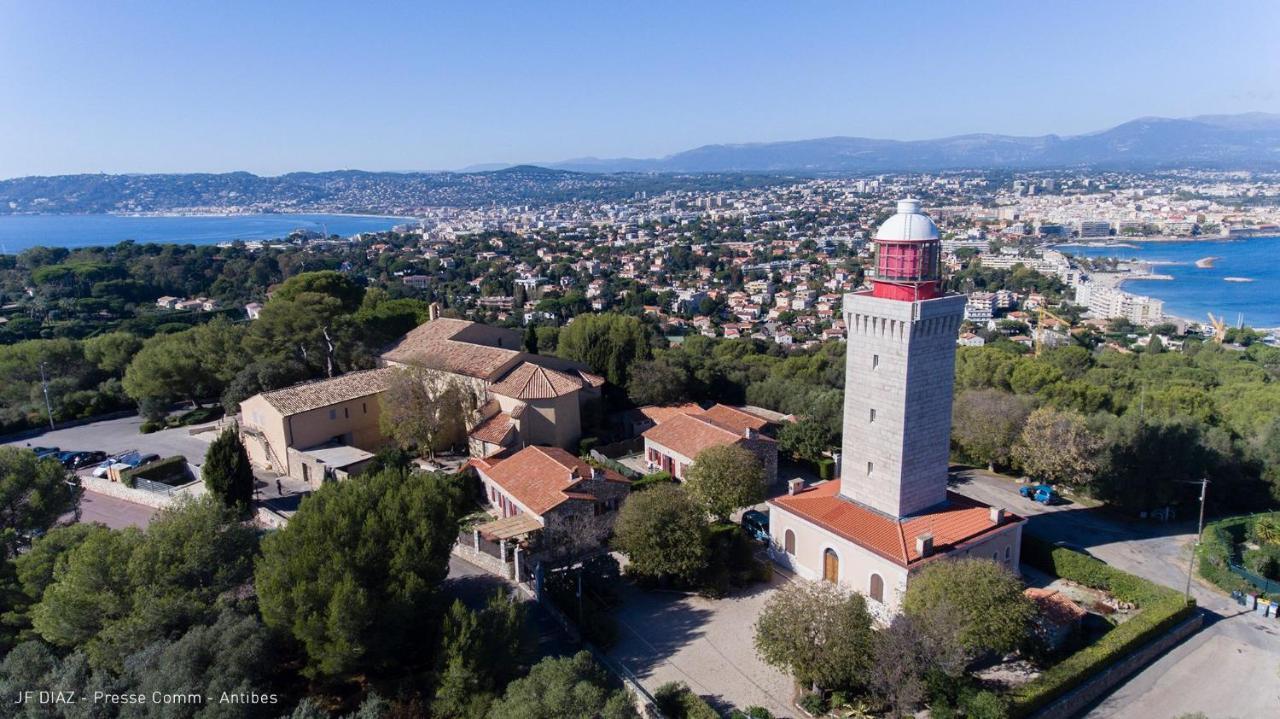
x=42 y=452
x=1041 y=493
x=128 y=459
x=147 y=459
x=80 y=460
x=757 y=525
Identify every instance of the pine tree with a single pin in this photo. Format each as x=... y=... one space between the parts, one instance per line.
x=228 y=475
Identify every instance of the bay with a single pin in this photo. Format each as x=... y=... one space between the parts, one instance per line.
x=20 y=232
x=1253 y=265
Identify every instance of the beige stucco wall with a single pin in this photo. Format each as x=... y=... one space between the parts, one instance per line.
x=354 y=422
x=553 y=422
x=858 y=564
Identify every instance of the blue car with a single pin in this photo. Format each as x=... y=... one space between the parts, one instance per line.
x=756 y=524
x=1041 y=493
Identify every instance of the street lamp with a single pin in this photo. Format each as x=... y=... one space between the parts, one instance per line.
x=1191 y=567
x=48 y=406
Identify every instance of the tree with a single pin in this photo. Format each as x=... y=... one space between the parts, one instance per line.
x=909 y=653
x=33 y=494
x=609 y=343
x=807 y=438
x=228 y=474
x=427 y=409
x=354 y=575
x=724 y=478
x=114 y=592
x=323 y=282
x=819 y=632
x=112 y=351
x=1057 y=447
x=986 y=599
x=564 y=687
x=656 y=382
x=663 y=533
x=479 y=654
x=986 y=423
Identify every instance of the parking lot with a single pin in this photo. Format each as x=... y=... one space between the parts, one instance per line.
x=119 y=435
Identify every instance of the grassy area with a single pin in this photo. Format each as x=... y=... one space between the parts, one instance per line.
x=1223 y=546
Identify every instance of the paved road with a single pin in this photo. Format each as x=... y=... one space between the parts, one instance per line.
x=118 y=435
x=1230 y=669
x=115 y=513
x=704 y=643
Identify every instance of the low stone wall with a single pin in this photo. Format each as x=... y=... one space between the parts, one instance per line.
x=487 y=562
x=99 y=485
x=1075 y=701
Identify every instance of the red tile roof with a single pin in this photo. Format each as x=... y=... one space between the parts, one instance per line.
x=735 y=418
x=1054 y=606
x=661 y=413
x=690 y=434
x=542 y=478
x=441 y=344
x=494 y=430
x=530 y=381
x=957 y=523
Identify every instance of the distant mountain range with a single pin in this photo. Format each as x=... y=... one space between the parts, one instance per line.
x=1247 y=141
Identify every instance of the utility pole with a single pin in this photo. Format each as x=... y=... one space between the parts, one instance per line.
x=1195 y=550
x=48 y=406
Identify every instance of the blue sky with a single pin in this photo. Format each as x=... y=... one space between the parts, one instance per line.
x=276 y=86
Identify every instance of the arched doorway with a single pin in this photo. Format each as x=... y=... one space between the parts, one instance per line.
x=830 y=566
x=789 y=542
x=877 y=588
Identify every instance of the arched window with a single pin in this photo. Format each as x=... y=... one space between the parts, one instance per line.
x=789 y=542
x=830 y=566
x=1007 y=551
x=877 y=588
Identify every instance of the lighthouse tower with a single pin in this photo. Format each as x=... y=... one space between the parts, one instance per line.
x=899 y=372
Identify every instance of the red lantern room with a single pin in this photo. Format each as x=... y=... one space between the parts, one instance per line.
x=908 y=256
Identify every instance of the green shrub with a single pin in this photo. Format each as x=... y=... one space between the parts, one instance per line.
x=170 y=470
x=586 y=444
x=650 y=480
x=150 y=426
x=1219 y=548
x=1264 y=561
x=1161 y=609
x=677 y=701
x=814 y=703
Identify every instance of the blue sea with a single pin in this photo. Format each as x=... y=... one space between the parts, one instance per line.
x=1194 y=292
x=19 y=232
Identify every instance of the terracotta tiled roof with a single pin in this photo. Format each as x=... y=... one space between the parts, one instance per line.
x=594 y=380
x=1054 y=606
x=542 y=478
x=322 y=393
x=736 y=419
x=529 y=381
x=690 y=434
x=494 y=430
x=436 y=344
x=960 y=521
x=661 y=413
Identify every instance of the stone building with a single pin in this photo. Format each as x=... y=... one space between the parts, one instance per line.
x=889 y=511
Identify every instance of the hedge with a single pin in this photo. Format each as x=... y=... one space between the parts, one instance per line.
x=1218 y=550
x=161 y=470
x=677 y=701
x=1162 y=609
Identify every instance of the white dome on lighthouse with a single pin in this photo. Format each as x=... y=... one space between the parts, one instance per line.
x=908 y=224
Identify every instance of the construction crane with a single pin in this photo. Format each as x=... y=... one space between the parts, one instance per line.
x=1041 y=313
x=1219 y=328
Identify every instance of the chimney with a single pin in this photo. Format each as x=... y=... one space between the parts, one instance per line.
x=924 y=544
x=795 y=485
x=749 y=433
x=597 y=473
x=997 y=515
x=433 y=311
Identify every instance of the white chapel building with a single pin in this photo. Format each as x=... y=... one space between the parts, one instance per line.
x=889 y=513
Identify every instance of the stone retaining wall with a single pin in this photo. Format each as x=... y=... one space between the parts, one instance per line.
x=99 y=485
x=1077 y=700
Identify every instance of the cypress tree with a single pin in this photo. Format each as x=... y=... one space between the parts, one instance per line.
x=228 y=475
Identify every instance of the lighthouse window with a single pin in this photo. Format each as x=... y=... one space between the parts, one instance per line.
x=875 y=361
x=870 y=466
x=873 y=414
